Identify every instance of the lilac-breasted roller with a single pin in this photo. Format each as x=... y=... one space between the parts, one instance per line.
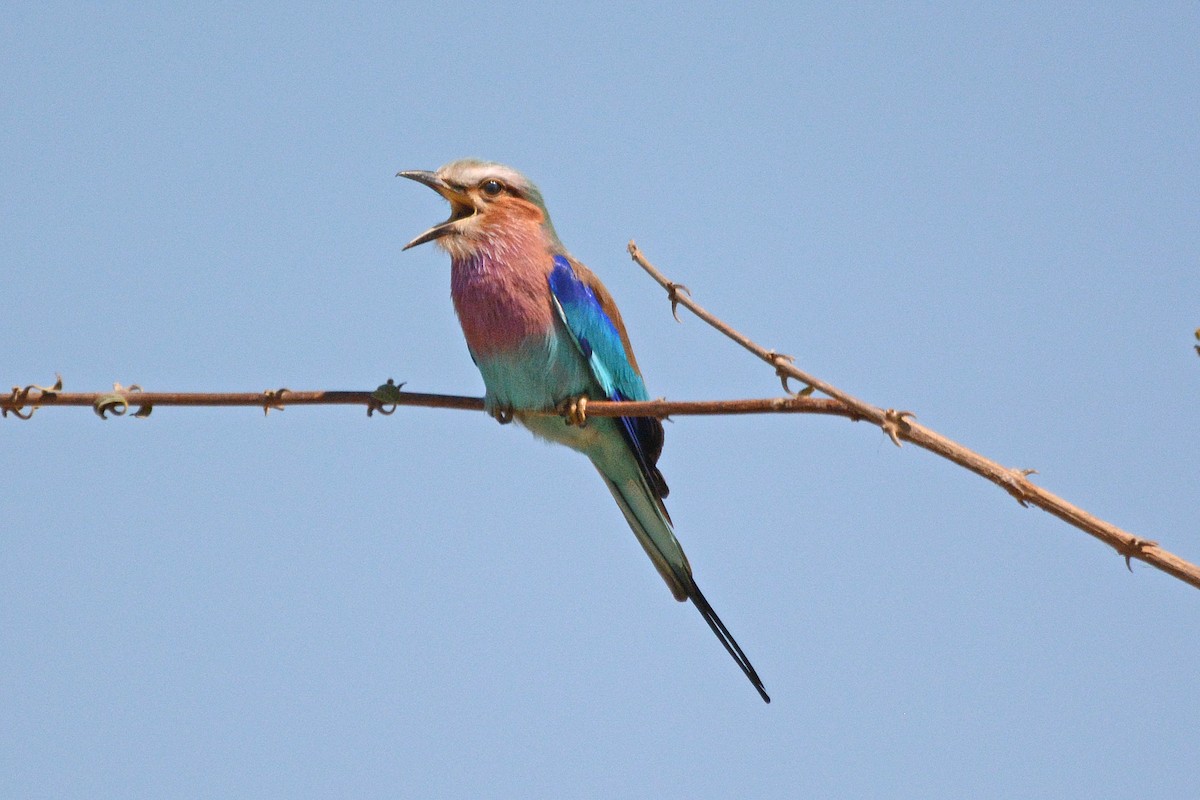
x=544 y=331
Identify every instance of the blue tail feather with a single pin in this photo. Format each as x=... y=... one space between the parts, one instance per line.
x=646 y=516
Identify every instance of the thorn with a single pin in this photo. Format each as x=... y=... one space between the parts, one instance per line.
x=1015 y=482
x=19 y=397
x=673 y=290
x=273 y=400
x=383 y=399
x=143 y=410
x=117 y=403
x=893 y=422
x=374 y=405
x=113 y=404
x=18 y=412
x=779 y=361
x=1135 y=548
x=663 y=399
x=57 y=387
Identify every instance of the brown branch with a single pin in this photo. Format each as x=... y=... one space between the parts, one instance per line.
x=899 y=425
x=117 y=402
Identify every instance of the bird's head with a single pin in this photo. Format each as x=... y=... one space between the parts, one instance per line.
x=485 y=200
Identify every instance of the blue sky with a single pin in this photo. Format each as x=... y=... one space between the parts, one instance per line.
x=989 y=217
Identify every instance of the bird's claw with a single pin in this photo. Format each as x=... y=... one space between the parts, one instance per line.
x=894 y=423
x=502 y=414
x=574 y=411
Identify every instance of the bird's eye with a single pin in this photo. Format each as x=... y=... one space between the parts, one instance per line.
x=492 y=188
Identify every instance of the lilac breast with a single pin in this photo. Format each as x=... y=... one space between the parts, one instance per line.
x=501 y=304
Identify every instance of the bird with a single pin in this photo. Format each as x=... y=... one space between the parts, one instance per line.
x=546 y=334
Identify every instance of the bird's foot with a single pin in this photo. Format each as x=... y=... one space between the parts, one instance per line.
x=574 y=411
x=502 y=414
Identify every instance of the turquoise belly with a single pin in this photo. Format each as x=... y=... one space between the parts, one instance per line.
x=539 y=374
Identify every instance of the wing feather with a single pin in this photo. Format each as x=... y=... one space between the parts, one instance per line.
x=588 y=311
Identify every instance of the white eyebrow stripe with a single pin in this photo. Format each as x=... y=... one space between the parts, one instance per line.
x=473 y=174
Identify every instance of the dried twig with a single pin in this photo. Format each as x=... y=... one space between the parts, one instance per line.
x=899 y=425
x=383 y=400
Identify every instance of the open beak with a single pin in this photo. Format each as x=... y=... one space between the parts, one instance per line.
x=461 y=206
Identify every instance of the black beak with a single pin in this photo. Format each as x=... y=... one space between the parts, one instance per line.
x=461 y=206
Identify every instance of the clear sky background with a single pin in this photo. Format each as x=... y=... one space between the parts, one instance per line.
x=987 y=216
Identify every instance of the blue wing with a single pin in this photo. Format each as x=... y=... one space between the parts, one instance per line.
x=598 y=338
x=596 y=328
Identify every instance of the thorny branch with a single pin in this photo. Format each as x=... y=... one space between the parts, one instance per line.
x=898 y=425
x=384 y=400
